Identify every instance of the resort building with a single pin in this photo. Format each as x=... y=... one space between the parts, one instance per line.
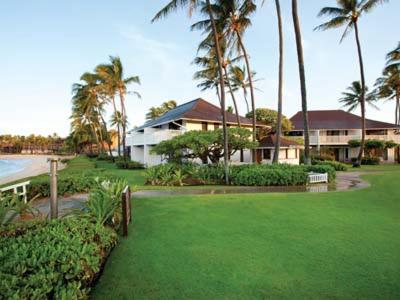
x=197 y=115
x=331 y=131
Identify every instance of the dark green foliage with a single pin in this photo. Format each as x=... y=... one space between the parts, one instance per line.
x=65 y=160
x=253 y=175
x=371 y=161
x=67 y=184
x=105 y=156
x=354 y=143
x=390 y=144
x=271 y=175
x=129 y=165
x=338 y=166
x=321 y=157
x=52 y=260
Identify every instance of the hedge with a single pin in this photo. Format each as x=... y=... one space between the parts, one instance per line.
x=57 y=259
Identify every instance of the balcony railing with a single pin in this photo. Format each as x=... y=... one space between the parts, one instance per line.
x=344 y=139
x=153 y=138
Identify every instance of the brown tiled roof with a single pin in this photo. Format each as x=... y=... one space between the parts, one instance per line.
x=336 y=119
x=270 y=142
x=198 y=110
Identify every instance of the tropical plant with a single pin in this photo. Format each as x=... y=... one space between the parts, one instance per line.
x=352 y=97
x=302 y=75
x=207 y=8
x=270 y=117
x=347 y=13
x=158 y=111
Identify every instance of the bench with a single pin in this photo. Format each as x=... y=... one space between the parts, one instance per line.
x=317 y=177
x=18 y=189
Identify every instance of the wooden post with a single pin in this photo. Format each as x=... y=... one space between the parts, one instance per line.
x=53 y=189
x=126 y=210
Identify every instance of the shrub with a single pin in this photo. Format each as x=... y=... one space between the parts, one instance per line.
x=66 y=184
x=92 y=155
x=338 y=166
x=105 y=157
x=57 y=259
x=370 y=161
x=129 y=165
x=317 y=158
x=270 y=175
x=354 y=143
x=65 y=160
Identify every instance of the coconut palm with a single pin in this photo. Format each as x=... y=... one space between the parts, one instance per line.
x=352 y=97
x=113 y=76
x=239 y=81
x=206 y=5
x=280 y=84
x=388 y=87
x=346 y=14
x=302 y=75
x=393 y=58
x=155 y=112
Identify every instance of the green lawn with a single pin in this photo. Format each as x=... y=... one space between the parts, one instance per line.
x=275 y=246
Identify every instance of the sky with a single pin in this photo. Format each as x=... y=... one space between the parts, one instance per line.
x=46 y=45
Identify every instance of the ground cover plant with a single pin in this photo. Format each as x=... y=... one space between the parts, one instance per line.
x=336 y=245
x=57 y=259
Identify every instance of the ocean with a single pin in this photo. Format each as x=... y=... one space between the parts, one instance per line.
x=11 y=166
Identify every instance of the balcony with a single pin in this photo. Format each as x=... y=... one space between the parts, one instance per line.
x=154 y=137
x=344 y=139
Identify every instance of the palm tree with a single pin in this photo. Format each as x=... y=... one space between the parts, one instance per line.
x=113 y=75
x=239 y=80
x=393 y=58
x=155 y=112
x=300 y=57
x=347 y=13
x=352 y=97
x=388 y=87
x=193 y=4
x=280 y=85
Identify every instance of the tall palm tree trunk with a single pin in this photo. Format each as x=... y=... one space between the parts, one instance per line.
x=253 y=104
x=222 y=85
x=218 y=95
x=280 y=85
x=245 y=99
x=233 y=96
x=123 y=113
x=362 y=98
x=109 y=142
x=397 y=108
x=300 y=57
x=118 y=127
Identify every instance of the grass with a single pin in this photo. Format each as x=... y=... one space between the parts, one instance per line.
x=275 y=246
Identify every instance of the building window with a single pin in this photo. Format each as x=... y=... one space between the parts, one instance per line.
x=204 y=126
x=333 y=133
x=216 y=125
x=267 y=154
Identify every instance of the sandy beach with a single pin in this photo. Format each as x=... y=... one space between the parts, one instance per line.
x=37 y=165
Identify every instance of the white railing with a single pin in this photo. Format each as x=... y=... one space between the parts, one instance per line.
x=344 y=139
x=318 y=177
x=153 y=138
x=18 y=189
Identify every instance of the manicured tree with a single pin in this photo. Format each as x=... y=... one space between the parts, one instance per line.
x=352 y=97
x=302 y=74
x=280 y=85
x=193 y=4
x=270 y=117
x=347 y=13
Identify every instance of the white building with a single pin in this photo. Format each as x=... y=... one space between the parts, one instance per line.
x=194 y=115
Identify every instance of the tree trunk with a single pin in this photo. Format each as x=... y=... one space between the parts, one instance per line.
x=123 y=114
x=397 y=110
x=233 y=97
x=253 y=104
x=362 y=96
x=109 y=142
x=300 y=57
x=222 y=85
x=280 y=85
x=245 y=99
x=118 y=127
x=218 y=95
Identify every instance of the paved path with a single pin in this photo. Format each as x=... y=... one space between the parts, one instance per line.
x=344 y=181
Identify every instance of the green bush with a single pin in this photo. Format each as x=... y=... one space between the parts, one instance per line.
x=271 y=175
x=57 y=259
x=129 y=165
x=65 y=160
x=169 y=174
x=338 y=166
x=372 y=161
x=66 y=184
x=105 y=157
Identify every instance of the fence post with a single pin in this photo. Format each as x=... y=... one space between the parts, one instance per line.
x=126 y=210
x=53 y=189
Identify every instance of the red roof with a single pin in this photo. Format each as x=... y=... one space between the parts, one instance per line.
x=336 y=119
x=270 y=142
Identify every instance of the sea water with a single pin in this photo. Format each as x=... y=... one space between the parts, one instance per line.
x=11 y=166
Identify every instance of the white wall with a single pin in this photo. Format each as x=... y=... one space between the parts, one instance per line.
x=137 y=154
